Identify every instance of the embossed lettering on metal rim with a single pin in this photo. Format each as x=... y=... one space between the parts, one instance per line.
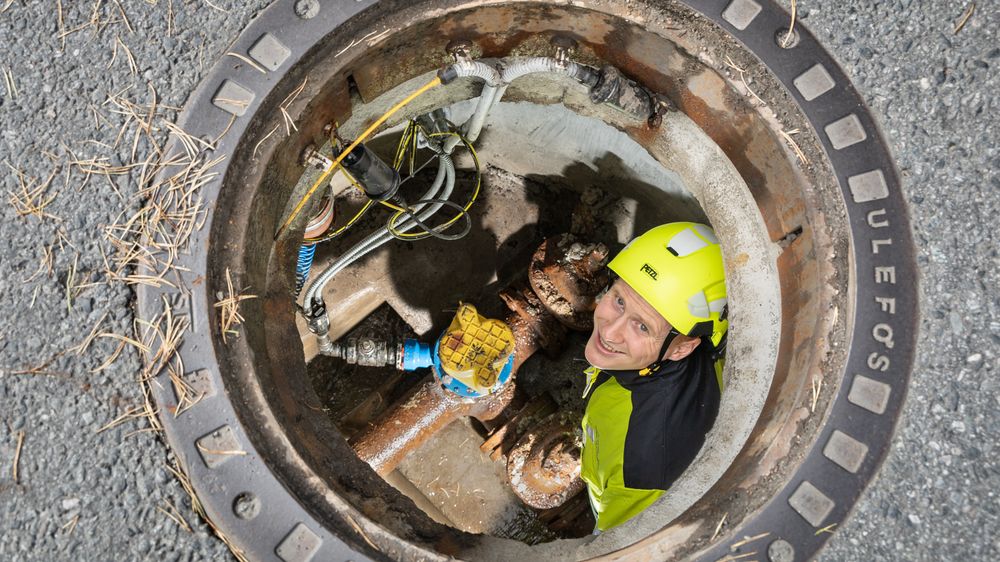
x=250 y=505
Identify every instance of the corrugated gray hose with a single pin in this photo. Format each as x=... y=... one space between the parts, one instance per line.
x=494 y=85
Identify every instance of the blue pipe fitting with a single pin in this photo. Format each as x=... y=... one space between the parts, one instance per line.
x=419 y=355
x=416 y=355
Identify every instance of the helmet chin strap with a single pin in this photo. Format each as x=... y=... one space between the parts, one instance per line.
x=655 y=366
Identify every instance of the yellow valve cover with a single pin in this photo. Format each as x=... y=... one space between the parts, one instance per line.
x=475 y=349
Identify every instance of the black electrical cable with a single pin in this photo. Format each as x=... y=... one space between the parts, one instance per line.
x=429 y=230
x=419 y=169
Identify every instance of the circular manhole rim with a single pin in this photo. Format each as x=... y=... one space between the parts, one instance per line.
x=874 y=204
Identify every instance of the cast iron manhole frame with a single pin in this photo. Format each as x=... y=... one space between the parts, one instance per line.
x=849 y=449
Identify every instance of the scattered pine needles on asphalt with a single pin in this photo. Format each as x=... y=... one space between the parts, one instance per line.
x=196 y=506
x=44 y=264
x=129 y=414
x=128 y=55
x=42 y=368
x=175 y=515
x=166 y=210
x=965 y=18
x=161 y=339
x=32 y=197
x=17 y=456
x=70 y=525
x=82 y=347
x=159 y=183
x=8 y=81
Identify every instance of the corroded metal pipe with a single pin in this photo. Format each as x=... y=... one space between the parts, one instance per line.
x=570 y=275
x=417 y=417
x=567 y=275
x=544 y=466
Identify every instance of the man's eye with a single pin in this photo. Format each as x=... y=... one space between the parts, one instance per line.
x=619 y=301
x=643 y=328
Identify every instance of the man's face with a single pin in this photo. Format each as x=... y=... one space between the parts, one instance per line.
x=628 y=332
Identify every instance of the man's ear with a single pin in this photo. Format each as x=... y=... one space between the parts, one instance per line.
x=682 y=347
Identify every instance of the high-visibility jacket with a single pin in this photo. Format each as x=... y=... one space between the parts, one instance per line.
x=641 y=432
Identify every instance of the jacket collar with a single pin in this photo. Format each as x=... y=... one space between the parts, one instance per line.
x=666 y=372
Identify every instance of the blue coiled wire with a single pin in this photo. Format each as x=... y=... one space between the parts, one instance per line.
x=304 y=264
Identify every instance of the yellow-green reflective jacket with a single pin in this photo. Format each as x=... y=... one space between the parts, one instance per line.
x=641 y=432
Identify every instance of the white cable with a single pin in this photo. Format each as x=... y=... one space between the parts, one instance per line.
x=445 y=175
x=494 y=86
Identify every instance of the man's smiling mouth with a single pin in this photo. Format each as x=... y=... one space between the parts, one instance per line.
x=605 y=347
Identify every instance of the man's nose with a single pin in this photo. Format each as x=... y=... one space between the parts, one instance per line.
x=614 y=330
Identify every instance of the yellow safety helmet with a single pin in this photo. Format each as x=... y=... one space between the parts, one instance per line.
x=677 y=268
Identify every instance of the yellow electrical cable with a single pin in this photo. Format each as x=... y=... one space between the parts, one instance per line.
x=401 y=148
x=420 y=235
x=408 y=133
x=393 y=207
x=413 y=149
x=326 y=173
x=475 y=195
x=350 y=223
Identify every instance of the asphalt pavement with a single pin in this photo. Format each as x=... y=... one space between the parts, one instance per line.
x=83 y=477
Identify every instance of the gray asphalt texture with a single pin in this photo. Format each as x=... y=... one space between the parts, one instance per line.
x=88 y=495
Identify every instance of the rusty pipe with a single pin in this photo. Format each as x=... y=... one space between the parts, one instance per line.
x=569 y=275
x=419 y=416
x=543 y=467
x=424 y=412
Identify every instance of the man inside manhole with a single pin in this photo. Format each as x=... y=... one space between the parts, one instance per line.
x=655 y=379
x=654 y=390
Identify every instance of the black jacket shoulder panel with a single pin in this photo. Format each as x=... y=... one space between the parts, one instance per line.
x=672 y=411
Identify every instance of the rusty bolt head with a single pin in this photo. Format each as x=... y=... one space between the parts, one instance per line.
x=308 y=153
x=460 y=49
x=534 y=326
x=543 y=467
x=564 y=45
x=661 y=106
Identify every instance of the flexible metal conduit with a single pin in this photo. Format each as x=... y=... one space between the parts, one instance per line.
x=493 y=88
x=494 y=85
x=517 y=67
x=445 y=176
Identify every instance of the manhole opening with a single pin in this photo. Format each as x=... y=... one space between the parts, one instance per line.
x=599 y=185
